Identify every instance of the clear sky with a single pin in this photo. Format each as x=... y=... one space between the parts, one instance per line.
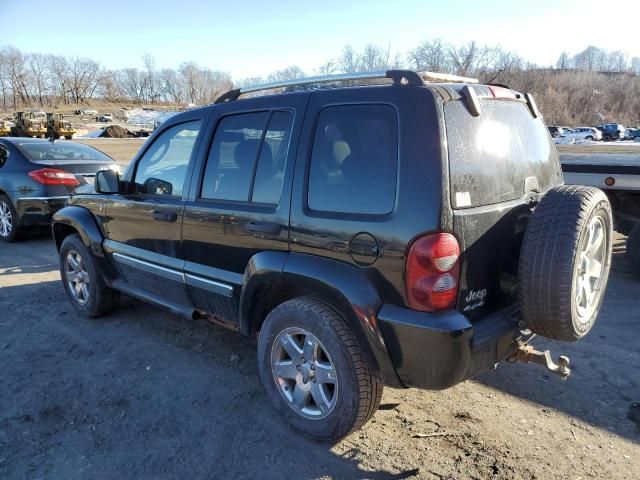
x=251 y=37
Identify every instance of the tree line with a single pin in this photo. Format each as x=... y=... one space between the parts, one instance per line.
x=589 y=87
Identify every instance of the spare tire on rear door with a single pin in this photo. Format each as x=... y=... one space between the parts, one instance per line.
x=564 y=262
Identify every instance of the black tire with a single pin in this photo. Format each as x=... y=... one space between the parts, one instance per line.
x=551 y=262
x=589 y=137
x=16 y=232
x=633 y=249
x=101 y=298
x=358 y=391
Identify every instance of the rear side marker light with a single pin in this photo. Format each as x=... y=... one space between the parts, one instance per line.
x=609 y=181
x=432 y=271
x=502 y=93
x=53 y=176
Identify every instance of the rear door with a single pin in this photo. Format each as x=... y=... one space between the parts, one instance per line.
x=144 y=226
x=239 y=204
x=500 y=162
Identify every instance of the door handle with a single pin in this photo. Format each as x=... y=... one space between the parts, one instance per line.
x=271 y=228
x=165 y=216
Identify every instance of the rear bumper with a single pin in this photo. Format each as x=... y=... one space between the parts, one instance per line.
x=38 y=210
x=437 y=351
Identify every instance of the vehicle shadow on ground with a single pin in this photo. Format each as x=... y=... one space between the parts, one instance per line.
x=605 y=378
x=139 y=394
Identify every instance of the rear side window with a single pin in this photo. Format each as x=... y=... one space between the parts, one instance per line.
x=491 y=156
x=354 y=160
x=247 y=158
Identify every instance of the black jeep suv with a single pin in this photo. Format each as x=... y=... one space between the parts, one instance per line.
x=408 y=230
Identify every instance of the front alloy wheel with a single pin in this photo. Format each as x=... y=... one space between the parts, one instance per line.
x=77 y=277
x=83 y=281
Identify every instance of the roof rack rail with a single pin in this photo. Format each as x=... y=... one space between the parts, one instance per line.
x=398 y=76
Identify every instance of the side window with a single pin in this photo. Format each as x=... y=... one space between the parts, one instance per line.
x=354 y=160
x=232 y=157
x=163 y=167
x=273 y=157
x=4 y=155
x=239 y=142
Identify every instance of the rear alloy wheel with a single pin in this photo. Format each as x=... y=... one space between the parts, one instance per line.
x=589 y=137
x=565 y=261
x=10 y=231
x=314 y=371
x=304 y=373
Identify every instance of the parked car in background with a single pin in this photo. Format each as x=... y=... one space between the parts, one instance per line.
x=36 y=178
x=632 y=133
x=556 y=131
x=368 y=236
x=107 y=117
x=611 y=131
x=583 y=133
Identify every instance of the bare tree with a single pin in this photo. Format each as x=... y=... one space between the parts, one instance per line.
x=348 y=61
x=563 y=62
x=432 y=56
x=289 y=73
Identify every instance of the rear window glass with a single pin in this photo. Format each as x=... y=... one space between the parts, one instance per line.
x=60 y=151
x=354 y=160
x=491 y=156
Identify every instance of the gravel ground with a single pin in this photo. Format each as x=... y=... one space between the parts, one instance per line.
x=143 y=394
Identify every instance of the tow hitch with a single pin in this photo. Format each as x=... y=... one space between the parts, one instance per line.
x=528 y=354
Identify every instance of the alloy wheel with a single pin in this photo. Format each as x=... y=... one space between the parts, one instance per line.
x=6 y=219
x=304 y=373
x=591 y=267
x=77 y=277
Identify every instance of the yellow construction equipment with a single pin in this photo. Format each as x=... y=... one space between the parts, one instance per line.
x=57 y=127
x=28 y=124
x=5 y=128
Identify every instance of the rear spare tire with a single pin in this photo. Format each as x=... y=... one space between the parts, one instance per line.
x=633 y=248
x=565 y=261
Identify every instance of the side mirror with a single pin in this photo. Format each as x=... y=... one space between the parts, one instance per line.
x=155 y=186
x=107 y=181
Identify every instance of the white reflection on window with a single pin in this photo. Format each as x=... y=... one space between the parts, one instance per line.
x=493 y=138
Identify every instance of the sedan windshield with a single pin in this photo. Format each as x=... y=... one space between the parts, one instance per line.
x=60 y=151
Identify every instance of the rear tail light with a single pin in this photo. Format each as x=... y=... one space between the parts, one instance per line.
x=432 y=272
x=53 y=176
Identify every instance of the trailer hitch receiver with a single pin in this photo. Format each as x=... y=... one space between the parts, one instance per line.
x=528 y=354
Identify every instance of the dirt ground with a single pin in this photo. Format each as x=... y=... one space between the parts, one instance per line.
x=120 y=149
x=143 y=394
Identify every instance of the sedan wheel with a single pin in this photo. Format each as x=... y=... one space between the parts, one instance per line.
x=6 y=220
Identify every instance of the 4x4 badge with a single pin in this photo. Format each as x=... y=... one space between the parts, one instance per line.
x=476 y=296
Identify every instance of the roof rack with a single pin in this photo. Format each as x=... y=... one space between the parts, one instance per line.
x=398 y=76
